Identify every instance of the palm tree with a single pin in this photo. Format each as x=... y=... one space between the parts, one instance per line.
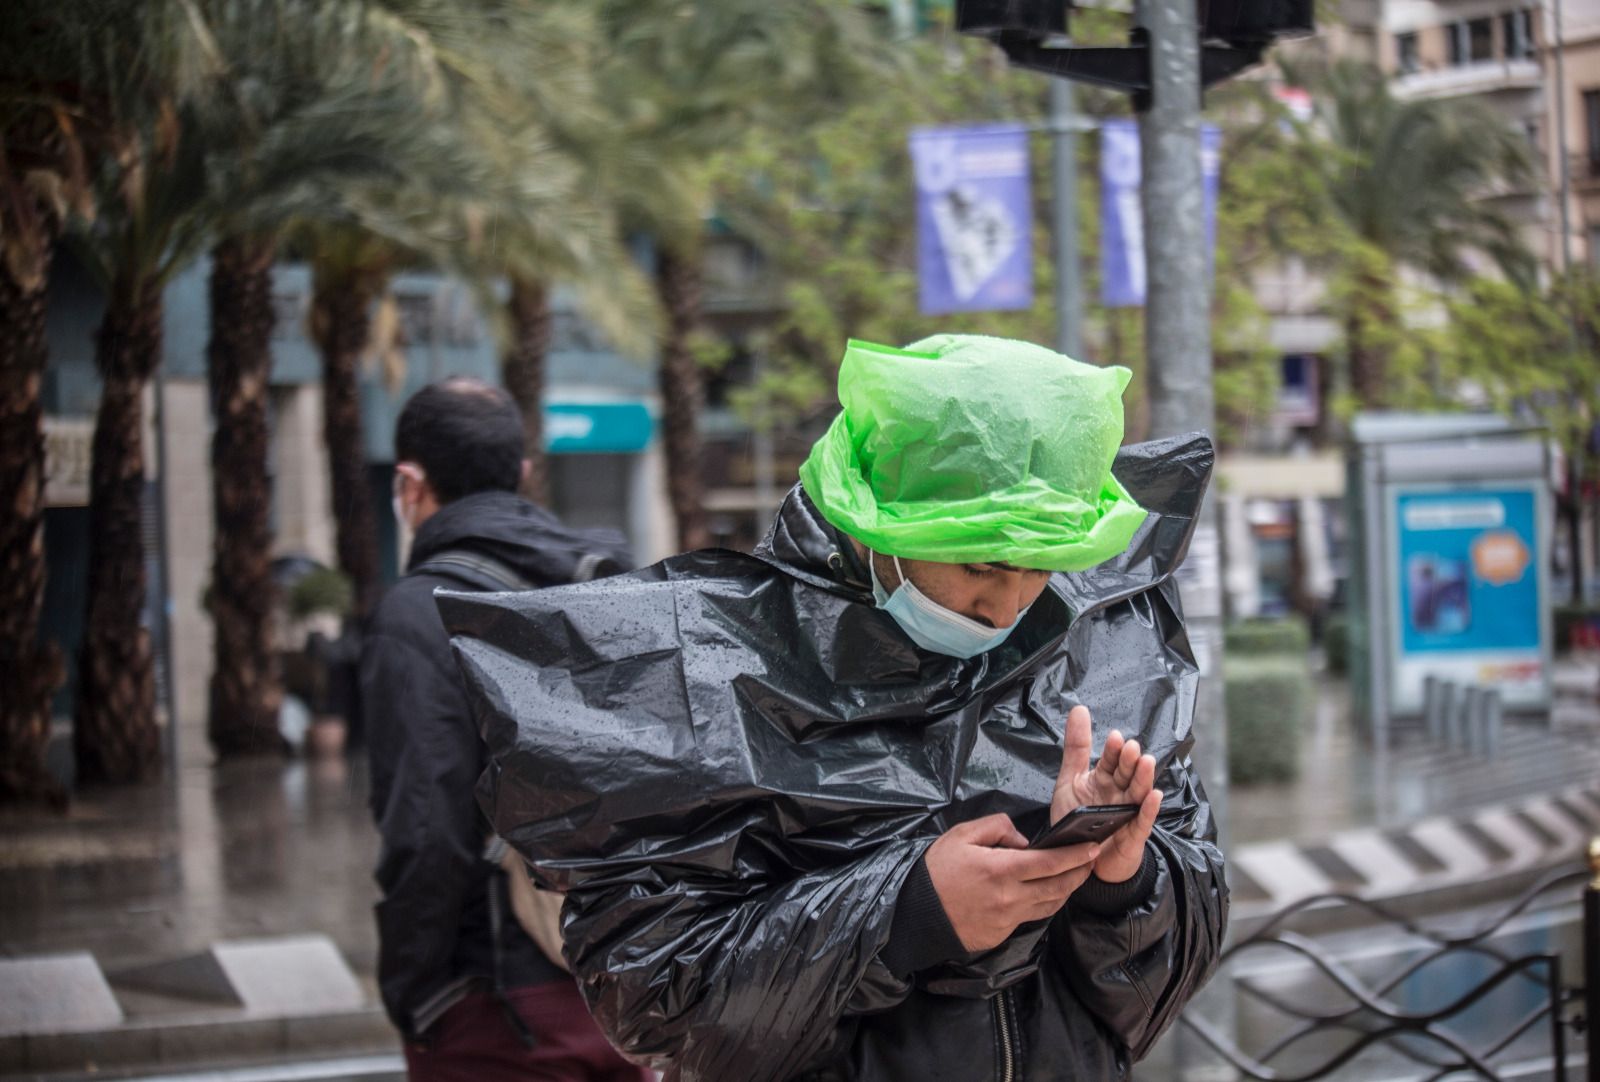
x=1403 y=183
x=143 y=63
x=337 y=94
x=683 y=84
x=41 y=169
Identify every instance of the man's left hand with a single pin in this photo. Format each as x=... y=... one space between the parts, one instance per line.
x=1123 y=775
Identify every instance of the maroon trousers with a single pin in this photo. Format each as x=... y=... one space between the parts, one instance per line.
x=475 y=1042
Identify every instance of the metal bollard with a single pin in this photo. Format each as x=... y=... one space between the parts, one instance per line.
x=1493 y=720
x=1473 y=737
x=1431 y=716
x=1461 y=723
x=1447 y=712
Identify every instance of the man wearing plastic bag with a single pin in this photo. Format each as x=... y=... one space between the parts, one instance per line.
x=788 y=793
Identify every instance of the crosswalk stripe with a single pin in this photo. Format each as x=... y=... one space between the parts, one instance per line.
x=1370 y=852
x=1282 y=871
x=1458 y=855
x=1503 y=827
x=1547 y=815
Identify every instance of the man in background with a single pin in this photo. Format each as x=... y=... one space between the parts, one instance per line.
x=469 y=989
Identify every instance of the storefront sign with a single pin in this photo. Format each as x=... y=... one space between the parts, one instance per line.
x=597 y=427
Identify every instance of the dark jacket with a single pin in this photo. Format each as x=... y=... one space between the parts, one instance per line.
x=435 y=924
x=736 y=763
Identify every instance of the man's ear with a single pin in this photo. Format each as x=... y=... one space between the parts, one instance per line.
x=527 y=468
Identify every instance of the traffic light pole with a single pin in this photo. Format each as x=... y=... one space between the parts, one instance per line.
x=1178 y=349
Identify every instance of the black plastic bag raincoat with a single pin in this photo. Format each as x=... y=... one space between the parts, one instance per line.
x=732 y=762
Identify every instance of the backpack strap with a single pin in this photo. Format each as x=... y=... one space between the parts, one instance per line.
x=476 y=569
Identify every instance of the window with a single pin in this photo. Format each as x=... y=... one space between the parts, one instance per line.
x=1408 y=59
x=1516 y=32
x=1480 y=39
x=1591 y=126
x=1471 y=41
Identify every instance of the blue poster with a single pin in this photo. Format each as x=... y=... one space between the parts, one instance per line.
x=1467 y=593
x=1468 y=574
x=974 y=218
x=1122 y=264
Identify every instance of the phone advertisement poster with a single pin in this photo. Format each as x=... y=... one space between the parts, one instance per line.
x=1469 y=578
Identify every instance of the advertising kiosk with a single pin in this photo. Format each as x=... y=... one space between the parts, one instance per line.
x=1450 y=538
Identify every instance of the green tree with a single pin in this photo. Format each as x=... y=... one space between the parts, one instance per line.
x=830 y=208
x=684 y=82
x=142 y=65
x=1388 y=188
x=302 y=115
x=42 y=174
x=1534 y=353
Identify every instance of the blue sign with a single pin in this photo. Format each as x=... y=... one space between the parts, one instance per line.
x=974 y=218
x=1122 y=264
x=1468 y=577
x=596 y=427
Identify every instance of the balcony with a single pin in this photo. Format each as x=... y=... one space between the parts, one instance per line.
x=1480 y=77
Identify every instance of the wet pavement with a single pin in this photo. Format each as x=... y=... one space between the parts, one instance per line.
x=242 y=850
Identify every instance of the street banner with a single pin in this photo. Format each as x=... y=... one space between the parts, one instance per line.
x=974 y=218
x=1467 y=565
x=1122 y=266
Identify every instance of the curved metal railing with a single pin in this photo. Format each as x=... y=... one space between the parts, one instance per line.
x=1366 y=1013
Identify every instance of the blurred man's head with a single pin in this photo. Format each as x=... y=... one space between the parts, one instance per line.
x=455 y=438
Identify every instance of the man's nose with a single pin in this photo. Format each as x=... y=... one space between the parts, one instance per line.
x=1000 y=605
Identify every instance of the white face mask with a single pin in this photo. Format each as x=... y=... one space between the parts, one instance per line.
x=932 y=626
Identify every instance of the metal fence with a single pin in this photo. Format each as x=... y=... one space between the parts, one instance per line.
x=1368 y=1012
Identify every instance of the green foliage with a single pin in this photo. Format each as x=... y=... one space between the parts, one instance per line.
x=322 y=590
x=1384 y=196
x=1268 y=699
x=1531 y=353
x=1255 y=637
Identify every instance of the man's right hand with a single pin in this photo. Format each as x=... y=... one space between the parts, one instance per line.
x=989 y=881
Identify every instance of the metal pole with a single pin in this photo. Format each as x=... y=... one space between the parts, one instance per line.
x=1564 y=164
x=1069 y=294
x=1178 y=349
x=762 y=452
x=1178 y=337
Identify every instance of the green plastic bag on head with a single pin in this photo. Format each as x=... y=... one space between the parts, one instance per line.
x=969 y=449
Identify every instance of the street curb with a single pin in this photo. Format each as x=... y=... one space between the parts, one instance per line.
x=1457 y=859
x=175 y=1043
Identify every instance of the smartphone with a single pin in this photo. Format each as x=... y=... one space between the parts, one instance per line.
x=1090 y=823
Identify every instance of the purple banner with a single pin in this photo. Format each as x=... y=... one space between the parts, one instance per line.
x=974 y=218
x=1122 y=267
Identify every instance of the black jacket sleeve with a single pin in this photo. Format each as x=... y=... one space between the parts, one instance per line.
x=1136 y=952
x=426 y=757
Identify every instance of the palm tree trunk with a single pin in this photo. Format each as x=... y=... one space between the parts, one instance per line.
x=114 y=736
x=682 y=395
x=341 y=322
x=1370 y=310
x=245 y=692
x=523 y=372
x=29 y=670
